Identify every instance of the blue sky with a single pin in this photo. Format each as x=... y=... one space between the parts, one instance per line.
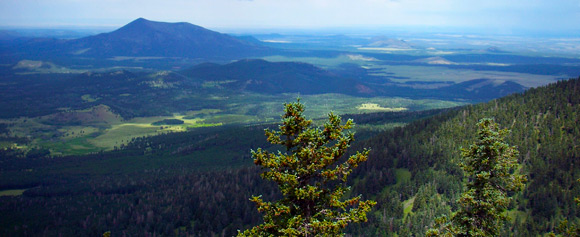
x=493 y=15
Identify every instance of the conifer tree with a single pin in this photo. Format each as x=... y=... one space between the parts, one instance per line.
x=568 y=229
x=489 y=164
x=311 y=176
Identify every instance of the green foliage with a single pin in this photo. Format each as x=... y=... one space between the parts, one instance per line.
x=312 y=185
x=569 y=229
x=489 y=165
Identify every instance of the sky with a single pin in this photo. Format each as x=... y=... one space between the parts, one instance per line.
x=492 y=15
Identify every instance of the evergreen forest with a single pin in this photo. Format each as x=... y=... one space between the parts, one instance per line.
x=199 y=182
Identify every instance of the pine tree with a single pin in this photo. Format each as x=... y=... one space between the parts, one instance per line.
x=489 y=164
x=568 y=229
x=311 y=176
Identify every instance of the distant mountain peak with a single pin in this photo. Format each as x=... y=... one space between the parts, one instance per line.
x=145 y=21
x=136 y=22
x=145 y=38
x=143 y=26
x=140 y=19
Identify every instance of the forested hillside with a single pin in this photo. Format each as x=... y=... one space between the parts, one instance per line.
x=186 y=183
x=414 y=176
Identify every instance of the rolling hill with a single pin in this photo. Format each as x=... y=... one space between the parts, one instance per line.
x=261 y=76
x=384 y=42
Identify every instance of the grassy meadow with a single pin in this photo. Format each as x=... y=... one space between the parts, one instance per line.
x=435 y=74
x=422 y=73
x=76 y=132
x=12 y=192
x=99 y=128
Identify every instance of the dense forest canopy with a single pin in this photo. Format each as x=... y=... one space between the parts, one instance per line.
x=545 y=129
x=171 y=184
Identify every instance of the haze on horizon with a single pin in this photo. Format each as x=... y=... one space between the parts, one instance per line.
x=495 y=16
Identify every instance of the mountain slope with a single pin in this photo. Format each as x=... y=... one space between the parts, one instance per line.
x=129 y=94
x=546 y=129
x=145 y=38
x=275 y=77
x=149 y=38
x=485 y=89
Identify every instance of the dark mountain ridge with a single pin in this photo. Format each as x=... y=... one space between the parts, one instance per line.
x=274 y=77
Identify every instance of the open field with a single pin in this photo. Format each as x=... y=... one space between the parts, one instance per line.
x=98 y=128
x=317 y=106
x=324 y=62
x=419 y=71
x=403 y=73
x=92 y=135
x=435 y=74
x=142 y=126
x=385 y=49
x=376 y=107
x=12 y=192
